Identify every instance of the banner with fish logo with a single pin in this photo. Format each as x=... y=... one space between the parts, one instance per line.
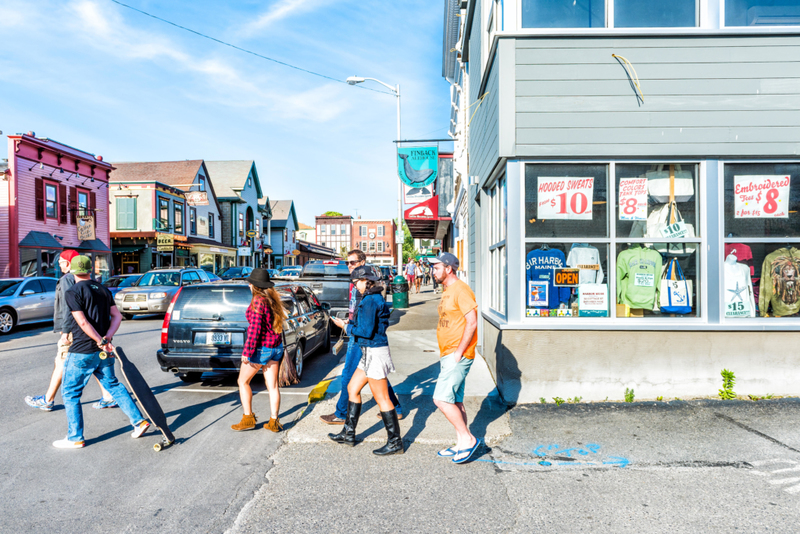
x=418 y=166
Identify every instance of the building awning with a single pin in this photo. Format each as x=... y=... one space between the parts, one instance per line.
x=40 y=240
x=423 y=220
x=93 y=245
x=126 y=249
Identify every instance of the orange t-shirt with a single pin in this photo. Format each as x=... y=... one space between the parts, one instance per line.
x=457 y=301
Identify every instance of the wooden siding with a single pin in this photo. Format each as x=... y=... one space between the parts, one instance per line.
x=484 y=139
x=703 y=96
x=4 y=229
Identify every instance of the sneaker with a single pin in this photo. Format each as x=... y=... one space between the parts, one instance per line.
x=67 y=444
x=141 y=428
x=103 y=403
x=39 y=402
x=331 y=419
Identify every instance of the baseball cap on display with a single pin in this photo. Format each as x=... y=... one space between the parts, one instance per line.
x=80 y=265
x=447 y=259
x=68 y=255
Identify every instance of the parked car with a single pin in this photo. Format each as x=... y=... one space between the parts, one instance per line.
x=25 y=301
x=205 y=328
x=330 y=282
x=121 y=281
x=235 y=272
x=387 y=274
x=213 y=277
x=273 y=272
x=290 y=272
x=154 y=291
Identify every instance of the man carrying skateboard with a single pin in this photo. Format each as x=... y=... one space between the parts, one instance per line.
x=92 y=312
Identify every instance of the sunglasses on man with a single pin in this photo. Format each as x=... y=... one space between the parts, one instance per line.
x=356 y=262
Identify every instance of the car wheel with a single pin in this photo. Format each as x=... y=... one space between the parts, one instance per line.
x=326 y=346
x=298 y=360
x=8 y=320
x=127 y=316
x=190 y=378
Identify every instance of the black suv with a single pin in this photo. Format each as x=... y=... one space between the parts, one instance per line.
x=205 y=327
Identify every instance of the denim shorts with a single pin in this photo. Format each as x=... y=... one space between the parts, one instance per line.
x=452 y=375
x=264 y=355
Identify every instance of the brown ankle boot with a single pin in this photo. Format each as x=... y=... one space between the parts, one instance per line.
x=274 y=425
x=248 y=422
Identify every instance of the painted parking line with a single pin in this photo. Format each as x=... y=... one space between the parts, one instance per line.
x=779 y=473
x=218 y=391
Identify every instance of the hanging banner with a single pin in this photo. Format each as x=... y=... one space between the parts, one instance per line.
x=761 y=197
x=418 y=166
x=565 y=198
x=86 y=229
x=415 y=195
x=633 y=199
x=196 y=198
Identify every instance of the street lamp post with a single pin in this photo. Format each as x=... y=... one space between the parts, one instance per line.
x=353 y=80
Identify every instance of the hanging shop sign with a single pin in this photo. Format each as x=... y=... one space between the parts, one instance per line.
x=165 y=242
x=566 y=277
x=415 y=195
x=633 y=199
x=761 y=197
x=243 y=251
x=565 y=198
x=593 y=300
x=196 y=198
x=418 y=167
x=86 y=229
x=537 y=294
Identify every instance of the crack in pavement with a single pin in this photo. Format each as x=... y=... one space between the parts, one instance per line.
x=754 y=431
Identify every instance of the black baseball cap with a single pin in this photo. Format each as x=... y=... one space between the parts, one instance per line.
x=362 y=272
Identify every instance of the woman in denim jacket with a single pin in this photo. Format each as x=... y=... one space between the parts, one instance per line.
x=368 y=329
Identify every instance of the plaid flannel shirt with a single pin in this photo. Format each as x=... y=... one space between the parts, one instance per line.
x=259 y=330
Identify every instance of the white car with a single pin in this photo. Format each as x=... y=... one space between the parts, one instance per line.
x=25 y=301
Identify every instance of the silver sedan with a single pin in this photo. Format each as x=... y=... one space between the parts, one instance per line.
x=25 y=301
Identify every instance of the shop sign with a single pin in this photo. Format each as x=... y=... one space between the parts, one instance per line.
x=418 y=166
x=244 y=251
x=165 y=242
x=761 y=197
x=251 y=233
x=296 y=252
x=566 y=277
x=415 y=195
x=197 y=198
x=565 y=198
x=181 y=253
x=399 y=237
x=215 y=249
x=537 y=294
x=86 y=229
x=428 y=210
x=737 y=309
x=593 y=300
x=675 y=231
x=267 y=250
x=633 y=199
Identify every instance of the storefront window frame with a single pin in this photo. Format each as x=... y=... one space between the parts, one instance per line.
x=496 y=196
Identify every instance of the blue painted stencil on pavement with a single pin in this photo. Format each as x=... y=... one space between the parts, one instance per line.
x=556 y=455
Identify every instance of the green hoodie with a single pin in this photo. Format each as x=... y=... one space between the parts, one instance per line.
x=780 y=283
x=638 y=276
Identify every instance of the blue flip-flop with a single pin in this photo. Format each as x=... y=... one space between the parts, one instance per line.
x=470 y=451
x=447 y=453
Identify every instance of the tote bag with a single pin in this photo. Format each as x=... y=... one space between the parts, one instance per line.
x=658 y=184
x=675 y=293
x=660 y=218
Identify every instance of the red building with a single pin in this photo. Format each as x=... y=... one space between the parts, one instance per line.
x=376 y=238
x=48 y=194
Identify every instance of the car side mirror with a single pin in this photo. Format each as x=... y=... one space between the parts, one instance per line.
x=186 y=282
x=28 y=292
x=325 y=306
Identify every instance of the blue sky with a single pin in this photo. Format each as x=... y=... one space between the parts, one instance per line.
x=108 y=80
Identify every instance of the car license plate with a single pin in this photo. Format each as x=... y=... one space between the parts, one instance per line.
x=134 y=308
x=218 y=338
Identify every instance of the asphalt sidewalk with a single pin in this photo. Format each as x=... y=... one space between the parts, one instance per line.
x=415 y=352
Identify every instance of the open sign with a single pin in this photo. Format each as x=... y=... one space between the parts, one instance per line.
x=566 y=277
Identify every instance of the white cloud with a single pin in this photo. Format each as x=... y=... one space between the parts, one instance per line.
x=279 y=11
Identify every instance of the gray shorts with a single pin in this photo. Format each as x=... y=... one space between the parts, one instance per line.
x=452 y=375
x=376 y=362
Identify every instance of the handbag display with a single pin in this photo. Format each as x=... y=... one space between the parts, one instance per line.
x=658 y=184
x=675 y=292
x=659 y=219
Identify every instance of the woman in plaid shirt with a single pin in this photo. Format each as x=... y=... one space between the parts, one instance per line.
x=263 y=348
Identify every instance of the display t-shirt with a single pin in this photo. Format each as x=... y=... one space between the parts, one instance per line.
x=638 y=275
x=586 y=255
x=539 y=266
x=739 y=299
x=743 y=254
x=780 y=283
x=95 y=301
x=457 y=301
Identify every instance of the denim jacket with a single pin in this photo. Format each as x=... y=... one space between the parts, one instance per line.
x=371 y=320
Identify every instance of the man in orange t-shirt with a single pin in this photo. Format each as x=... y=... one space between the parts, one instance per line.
x=457 y=336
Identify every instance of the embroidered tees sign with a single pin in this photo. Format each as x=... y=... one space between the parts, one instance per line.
x=761 y=197
x=565 y=198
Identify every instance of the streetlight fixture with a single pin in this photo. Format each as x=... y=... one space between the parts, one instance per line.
x=353 y=80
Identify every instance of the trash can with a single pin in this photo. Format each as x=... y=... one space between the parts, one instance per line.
x=399 y=293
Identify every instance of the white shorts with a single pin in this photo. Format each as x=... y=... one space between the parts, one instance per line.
x=376 y=362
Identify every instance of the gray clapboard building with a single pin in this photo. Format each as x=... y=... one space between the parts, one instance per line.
x=652 y=146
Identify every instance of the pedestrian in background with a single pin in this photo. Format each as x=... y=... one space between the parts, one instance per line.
x=93 y=321
x=263 y=349
x=355 y=259
x=457 y=336
x=411 y=270
x=418 y=278
x=369 y=331
x=61 y=313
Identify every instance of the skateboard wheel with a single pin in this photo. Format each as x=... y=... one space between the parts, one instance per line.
x=103 y=355
x=157 y=447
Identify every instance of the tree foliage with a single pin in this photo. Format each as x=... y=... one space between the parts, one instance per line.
x=332 y=214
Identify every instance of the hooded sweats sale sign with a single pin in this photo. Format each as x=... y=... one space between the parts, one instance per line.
x=565 y=198
x=761 y=197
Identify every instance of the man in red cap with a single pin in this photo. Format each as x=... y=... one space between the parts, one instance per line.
x=60 y=311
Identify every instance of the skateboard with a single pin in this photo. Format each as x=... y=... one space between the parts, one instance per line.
x=144 y=396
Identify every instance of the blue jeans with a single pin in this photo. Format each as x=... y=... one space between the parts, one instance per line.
x=351 y=360
x=77 y=370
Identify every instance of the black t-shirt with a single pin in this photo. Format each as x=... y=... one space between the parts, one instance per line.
x=95 y=301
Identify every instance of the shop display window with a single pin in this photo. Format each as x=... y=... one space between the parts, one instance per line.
x=498 y=217
x=762 y=240
x=762 y=13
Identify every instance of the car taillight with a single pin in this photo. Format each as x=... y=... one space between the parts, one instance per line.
x=165 y=325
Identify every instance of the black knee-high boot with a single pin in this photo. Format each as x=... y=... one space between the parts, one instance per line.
x=395 y=443
x=348 y=433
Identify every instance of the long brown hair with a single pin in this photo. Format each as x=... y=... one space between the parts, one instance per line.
x=273 y=301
